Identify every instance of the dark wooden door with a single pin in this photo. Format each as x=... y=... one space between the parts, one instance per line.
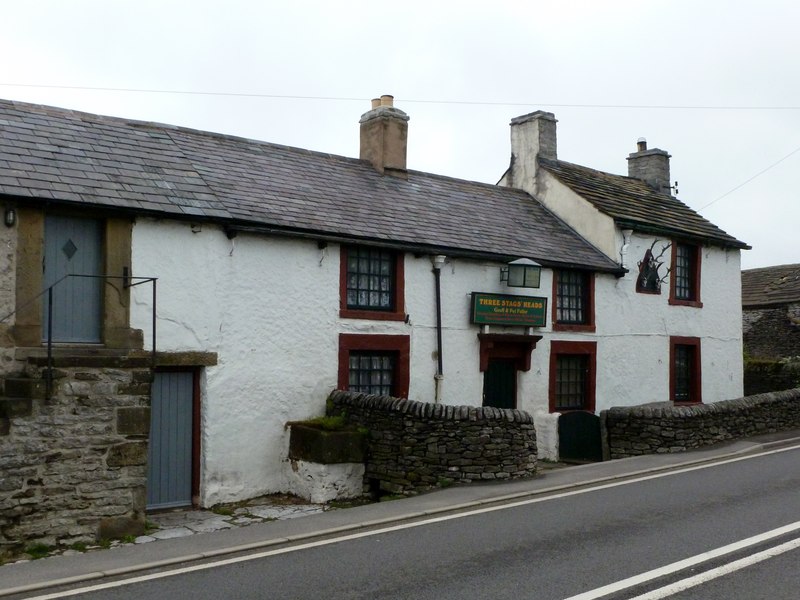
x=500 y=384
x=579 y=436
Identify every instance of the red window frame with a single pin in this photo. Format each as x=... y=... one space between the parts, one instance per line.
x=589 y=325
x=696 y=383
x=399 y=312
x=588 y=349
x=400 y=345
x=694 y=276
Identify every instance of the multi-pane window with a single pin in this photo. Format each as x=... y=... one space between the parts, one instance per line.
x=370 y=279
x=372 y=373
x=684 y=363
x=684 y=272
x=572 y=297
x=571 y=379
x=684 y=371
x=573 y=368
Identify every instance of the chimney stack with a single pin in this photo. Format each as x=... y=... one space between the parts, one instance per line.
x=384 y=137
x=651 y=166
x=533 y=136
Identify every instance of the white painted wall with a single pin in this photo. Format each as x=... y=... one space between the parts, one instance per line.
x=269 y=307
x=595 y=226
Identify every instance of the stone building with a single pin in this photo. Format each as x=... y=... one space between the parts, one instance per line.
x=771 y=311
x=208 y=289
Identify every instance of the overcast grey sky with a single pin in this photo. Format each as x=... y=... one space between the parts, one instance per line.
x=611 y=71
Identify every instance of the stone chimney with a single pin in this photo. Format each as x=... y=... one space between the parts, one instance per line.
x=651 y=166
x=384 y=137
x=533 y=136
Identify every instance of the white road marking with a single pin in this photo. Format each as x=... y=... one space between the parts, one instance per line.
x=736 y=565
x=692 y=561
x=487 y=509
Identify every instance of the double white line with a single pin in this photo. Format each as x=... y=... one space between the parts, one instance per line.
x=685 y=584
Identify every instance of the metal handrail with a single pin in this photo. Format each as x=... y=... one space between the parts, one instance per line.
x=128 y=281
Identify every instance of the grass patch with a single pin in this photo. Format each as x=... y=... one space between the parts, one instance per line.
x=79 y=546
x=37 y=551
x=336 y=423
x=390 y=497
x=128 y=539
x=225 y=511
x=150 y=526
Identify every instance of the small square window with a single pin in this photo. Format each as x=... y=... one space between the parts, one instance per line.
x=573 y=308
x=371 y=284
x=685 y=275
x=374 y=364
x=370 y=279
x=372 y=373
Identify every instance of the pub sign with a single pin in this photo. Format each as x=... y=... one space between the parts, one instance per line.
x=504 y=309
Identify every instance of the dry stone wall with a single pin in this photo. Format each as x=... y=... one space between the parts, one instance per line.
x=417 y=445
x=653 y=429
x=766 y=375
x=74 y=467
x=772 y=332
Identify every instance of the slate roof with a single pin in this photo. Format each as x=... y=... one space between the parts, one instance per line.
x=49 y=153
x=632 y=202
x=771 y=285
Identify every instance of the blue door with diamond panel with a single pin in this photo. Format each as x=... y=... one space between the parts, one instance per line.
x=73 y=246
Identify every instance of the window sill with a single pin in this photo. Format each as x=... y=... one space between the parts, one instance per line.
x=373 y=315
x=692 y=303
x=577 y=328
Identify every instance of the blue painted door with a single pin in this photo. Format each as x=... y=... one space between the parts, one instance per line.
x=73 y=246
x=169 y=461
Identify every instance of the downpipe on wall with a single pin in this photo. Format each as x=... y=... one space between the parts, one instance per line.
x=438 y=263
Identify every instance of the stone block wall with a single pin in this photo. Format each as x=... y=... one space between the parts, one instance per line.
x=417 y=445
x=772 y=332
x=653 y=429
x=765 y=375
x=75 y=467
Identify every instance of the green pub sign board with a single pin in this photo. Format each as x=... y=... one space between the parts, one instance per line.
x=501 y=309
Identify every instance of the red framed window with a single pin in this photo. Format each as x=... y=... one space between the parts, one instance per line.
x=684 y=286
x=573 y=372
x=374 y=364
x=685 y=383
x=371 y=284
x=573 y=308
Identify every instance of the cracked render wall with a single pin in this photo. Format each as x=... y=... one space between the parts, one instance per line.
x=269 y=307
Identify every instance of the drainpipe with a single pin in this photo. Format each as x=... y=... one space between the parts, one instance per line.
x=438 y=263
x=626 y=242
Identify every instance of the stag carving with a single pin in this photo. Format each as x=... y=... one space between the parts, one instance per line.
x=650 y=278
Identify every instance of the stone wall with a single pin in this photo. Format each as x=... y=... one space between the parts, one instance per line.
x=765 y=375
x=8 y=266
x=417 y=445
x=74 y=467
x=660 y=428
x=772 y=332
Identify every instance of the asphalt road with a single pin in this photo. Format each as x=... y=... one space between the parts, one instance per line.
x=552 y=547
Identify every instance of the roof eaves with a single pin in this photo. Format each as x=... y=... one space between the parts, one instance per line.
x=725 y=242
